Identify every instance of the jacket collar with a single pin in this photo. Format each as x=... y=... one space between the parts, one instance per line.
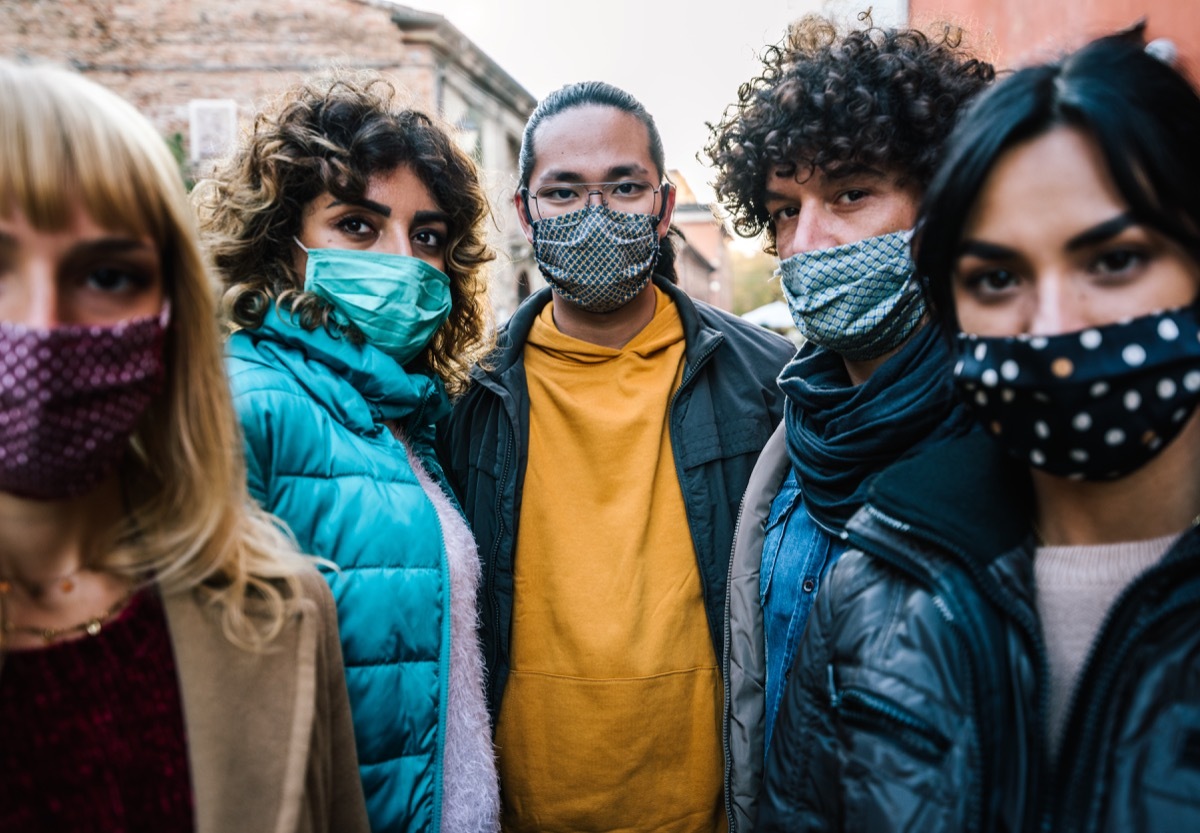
x=965 y=492
x=385 y=390
x=248 y=754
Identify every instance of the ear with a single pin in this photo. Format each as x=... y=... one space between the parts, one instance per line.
x=521 y=203
x=668 y=209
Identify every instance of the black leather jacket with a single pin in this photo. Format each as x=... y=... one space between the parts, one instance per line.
x=727 y=405
x=917 y=701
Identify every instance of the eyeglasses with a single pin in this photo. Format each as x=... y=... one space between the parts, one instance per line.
x=630 y=196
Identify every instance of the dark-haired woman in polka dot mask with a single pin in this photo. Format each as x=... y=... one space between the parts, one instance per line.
x=1016 y=645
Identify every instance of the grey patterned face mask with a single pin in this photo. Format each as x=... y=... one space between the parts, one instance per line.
x=858 y=300
x=597 y=258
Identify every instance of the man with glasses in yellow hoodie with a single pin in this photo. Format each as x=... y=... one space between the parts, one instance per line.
x=600 y=457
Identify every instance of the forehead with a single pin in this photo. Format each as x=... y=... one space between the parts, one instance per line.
x=592 y=143
x=1053 y=184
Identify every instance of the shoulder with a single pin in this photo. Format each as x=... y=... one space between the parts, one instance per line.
x=757 y=345
x=253 y=369
x=312 y=586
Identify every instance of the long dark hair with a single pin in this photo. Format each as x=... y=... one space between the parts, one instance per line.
x=1143 y=115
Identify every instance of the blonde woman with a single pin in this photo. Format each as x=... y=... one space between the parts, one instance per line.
x=350 y=234
x=169 y=663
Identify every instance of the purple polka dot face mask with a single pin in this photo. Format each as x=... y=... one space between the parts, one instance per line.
x=1091 y=405
x=70 y=398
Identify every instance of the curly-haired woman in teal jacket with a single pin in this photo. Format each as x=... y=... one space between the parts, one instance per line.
x=349 y=234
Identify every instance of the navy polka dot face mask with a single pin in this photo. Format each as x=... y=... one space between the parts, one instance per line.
x=1090 y=405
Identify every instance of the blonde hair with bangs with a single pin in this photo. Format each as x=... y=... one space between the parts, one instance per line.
x=190 y=523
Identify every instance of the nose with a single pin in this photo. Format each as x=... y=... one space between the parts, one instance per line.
x=36 y=301
x=598 y=194
x=1056 y=309
x=396 y=242
x=812 y=232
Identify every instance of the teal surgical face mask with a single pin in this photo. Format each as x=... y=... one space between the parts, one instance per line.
x=858 y=300
x=397 y=301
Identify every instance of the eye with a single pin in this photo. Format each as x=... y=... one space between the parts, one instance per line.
x=852 y=195
x=430 y=239
x=788 y=212
x=989 y=281
x=1119 y=262
x=355 y=226
x=630 y=188
x=116 y=279
x=558 y=193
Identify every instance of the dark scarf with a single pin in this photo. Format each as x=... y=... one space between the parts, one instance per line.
x=840 y=436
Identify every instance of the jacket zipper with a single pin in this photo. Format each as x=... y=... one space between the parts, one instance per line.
x=726 y=707
x=494 y=669
x=916 y=734
x=689 y=373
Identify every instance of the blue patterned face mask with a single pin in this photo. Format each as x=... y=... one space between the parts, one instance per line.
x=858 y=300
x=397 y=302
x=1096 y=404
x=597 y=258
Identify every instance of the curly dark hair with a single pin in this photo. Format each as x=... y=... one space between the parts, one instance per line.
x=332 y=134
x=884 y=98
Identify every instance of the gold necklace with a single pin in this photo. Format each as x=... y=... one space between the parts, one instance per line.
x=91 y=626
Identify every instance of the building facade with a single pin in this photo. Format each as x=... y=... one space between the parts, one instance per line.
x=1018 y=32
x=200 y=71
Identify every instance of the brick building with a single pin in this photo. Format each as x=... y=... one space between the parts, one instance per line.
x=1016 y=32
x=199 y=70
x=702 y=260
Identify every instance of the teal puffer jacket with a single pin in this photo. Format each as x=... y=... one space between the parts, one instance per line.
x=320 y=457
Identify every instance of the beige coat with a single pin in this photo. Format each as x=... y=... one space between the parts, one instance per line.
x=269 y=737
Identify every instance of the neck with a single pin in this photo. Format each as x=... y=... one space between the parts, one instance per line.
x=861 y=371
x=41 y=541
x=608 y=329
x=1161 y=498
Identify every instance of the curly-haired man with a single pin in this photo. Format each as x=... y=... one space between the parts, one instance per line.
x=828 y=151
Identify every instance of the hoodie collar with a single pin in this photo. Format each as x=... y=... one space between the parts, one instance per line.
x=510 y=341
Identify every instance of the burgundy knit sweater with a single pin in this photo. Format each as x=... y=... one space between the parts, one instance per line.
x=91 y=732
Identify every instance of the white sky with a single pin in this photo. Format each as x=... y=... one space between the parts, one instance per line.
x=683 y=59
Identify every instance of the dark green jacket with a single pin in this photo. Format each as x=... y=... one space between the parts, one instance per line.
x=726 y=407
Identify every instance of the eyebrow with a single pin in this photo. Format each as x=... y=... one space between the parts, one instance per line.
x=1089 y=237
x=431 y=217
x=986 y=251
x=854 y=169
x=614 y=173
x=370 y=205
x=1101 y=232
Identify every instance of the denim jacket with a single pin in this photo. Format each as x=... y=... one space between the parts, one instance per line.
x=795 y=553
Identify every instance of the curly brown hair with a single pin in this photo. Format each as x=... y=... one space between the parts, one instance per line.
x=332 y=134
x=884 y=98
